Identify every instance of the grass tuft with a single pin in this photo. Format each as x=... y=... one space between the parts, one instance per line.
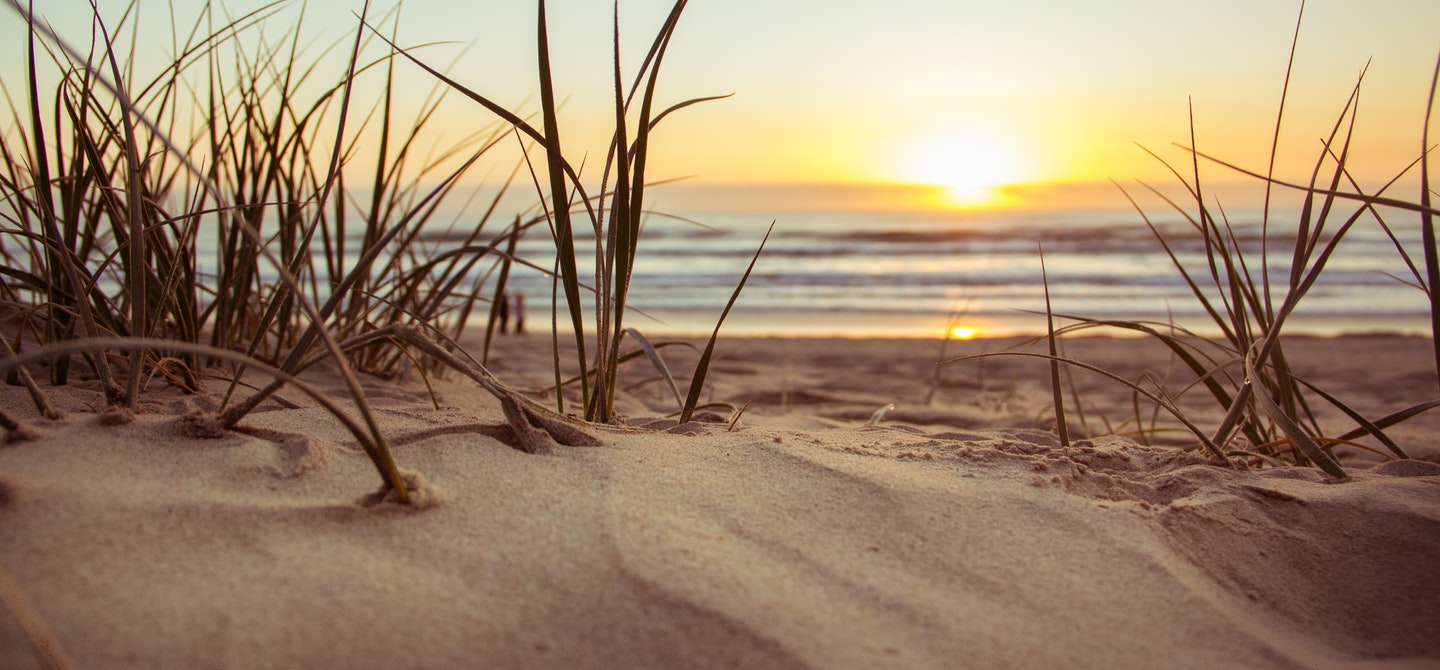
x=1267 y=407
x=222 y=216
x=615 y=215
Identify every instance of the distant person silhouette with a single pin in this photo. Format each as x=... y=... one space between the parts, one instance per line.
x=519 y=314
x=505 y=312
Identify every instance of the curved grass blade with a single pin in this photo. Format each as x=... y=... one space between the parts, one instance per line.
x=659 y=363
x=378 y=452
x=1395 y=418
x=249 y=231
x=1424 y=208
x=1160 y=401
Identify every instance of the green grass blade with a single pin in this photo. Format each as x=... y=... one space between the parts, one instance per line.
x=627 y=214
x=1274 y=153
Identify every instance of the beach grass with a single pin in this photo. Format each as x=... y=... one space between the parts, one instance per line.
x=1269 y=415
x=115 y=184
x=106 y=244
x=614 y=215
x=119 y=188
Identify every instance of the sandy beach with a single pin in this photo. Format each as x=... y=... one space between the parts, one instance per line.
x=954 y=533
x=201 y=200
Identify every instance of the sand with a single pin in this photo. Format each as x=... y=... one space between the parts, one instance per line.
x=956 y=533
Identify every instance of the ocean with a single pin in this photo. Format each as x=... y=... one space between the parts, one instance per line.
x=907 y=274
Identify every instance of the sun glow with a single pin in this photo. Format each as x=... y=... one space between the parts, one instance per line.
x=970 y=167
x=964 y=332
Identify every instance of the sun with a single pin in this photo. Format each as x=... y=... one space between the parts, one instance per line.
x=970 y=167
x=964 y=332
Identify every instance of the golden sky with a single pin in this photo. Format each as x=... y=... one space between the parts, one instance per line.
x=839 y=102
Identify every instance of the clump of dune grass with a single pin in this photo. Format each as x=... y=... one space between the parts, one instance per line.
x=1269 y=410
x=614 y=215
x=114 y=183
x=110 y=189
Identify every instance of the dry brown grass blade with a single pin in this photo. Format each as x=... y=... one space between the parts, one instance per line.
x=538 y=428
x=135 y=217
x=1160 y=401
x=1062 y=428
x=702 y=367
x=1427 y=222
x=51 y=652
x=157 y=133
x=1298 y=438
x=63 y=277
x=42 y=403
x=377 y=450
x=1424 y=209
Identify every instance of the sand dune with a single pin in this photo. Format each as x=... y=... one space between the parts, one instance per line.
x=953 y=534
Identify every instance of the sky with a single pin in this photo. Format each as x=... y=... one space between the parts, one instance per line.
x=918 y=103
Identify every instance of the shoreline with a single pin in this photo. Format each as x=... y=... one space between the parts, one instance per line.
x=868 y=325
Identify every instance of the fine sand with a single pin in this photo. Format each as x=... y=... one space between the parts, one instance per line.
x=952 y=534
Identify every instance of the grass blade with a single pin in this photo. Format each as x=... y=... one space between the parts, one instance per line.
x=1061 y=428
x=559 y=197
x=1394 y=418
x=659 y=363
x=1298 y=437
x=702 y=368
x=1366 y=426
x=1427 y=222
x=136 y=273
x=378 y=452
x=1159 y=401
